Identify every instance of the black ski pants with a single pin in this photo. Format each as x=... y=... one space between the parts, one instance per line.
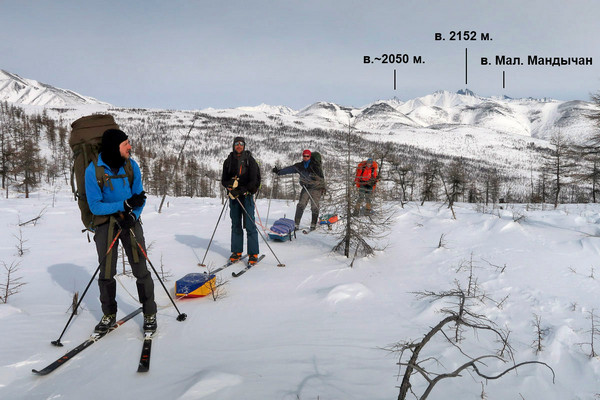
x=108 y=268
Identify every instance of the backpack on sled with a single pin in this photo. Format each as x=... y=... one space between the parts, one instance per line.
x=282 y=230
x=328 y=219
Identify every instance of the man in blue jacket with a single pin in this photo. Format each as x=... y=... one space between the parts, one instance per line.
x=312 y=181
x=123 y=199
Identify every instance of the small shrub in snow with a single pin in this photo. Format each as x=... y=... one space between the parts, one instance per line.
x=12 y=285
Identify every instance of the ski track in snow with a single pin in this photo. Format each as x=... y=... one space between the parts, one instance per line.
x=209 y=383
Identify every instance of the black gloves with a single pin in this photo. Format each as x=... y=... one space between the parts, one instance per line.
x=275 y=170
x=237 y=191
x=137 y=200
x=125 y=220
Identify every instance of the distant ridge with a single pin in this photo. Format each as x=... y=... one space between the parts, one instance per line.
x=528 y=117
x=16 y=89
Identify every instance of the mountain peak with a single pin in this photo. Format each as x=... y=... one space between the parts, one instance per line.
x=16 y=89
x=466 y=92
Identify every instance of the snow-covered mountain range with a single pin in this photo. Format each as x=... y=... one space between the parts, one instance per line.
x=489 y=132
x=15 y=89
x=528 y=117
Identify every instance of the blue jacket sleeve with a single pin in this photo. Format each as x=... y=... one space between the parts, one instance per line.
x=95 y=198
x=137 y=187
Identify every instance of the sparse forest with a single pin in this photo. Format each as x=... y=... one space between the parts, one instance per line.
x=34 y=150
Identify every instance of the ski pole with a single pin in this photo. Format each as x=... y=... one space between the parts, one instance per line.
x=177 y=162
x=311 y=198
x=57 y=341
x=264 y=228
x=213 y=235
x=309 y=195
x=270 y=197
x=181 y=316
x=257 y=230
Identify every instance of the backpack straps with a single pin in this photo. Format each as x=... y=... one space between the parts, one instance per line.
x=111 y=234
x=102 y=177
x=108 y=262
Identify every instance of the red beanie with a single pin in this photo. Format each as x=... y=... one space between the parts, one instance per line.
x=306 y=153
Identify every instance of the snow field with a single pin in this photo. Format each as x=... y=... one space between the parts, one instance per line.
x=315 y=328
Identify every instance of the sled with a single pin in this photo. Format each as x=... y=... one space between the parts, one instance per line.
x=328 y=219
x=282 y=230
x=195 y=285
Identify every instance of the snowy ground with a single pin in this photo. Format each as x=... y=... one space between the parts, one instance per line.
x=316 y=328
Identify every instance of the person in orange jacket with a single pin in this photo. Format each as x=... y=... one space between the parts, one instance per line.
x=366 y=180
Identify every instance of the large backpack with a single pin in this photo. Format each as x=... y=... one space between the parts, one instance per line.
x=85 y=140
x=317 y=158
x=360 y=171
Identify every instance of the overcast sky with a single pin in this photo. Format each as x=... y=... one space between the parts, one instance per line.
x=218 y=53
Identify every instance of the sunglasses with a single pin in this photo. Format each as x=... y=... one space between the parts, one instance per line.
x=239 y=144
x=305 y=156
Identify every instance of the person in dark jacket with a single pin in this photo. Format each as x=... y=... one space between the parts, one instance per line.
x=312 y=182
x=124 y=202
x=241 y=177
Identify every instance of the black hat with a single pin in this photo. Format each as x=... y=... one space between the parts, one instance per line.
x=111 y=140
x=239 y=139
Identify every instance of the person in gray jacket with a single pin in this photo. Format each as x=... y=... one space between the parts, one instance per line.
x=313 y=186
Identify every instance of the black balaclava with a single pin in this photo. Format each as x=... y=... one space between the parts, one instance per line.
x=111 y=140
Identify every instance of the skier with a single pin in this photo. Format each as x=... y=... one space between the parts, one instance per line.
x=123 y=201
x=313 y=186
x=366 y=180
x=241 y=177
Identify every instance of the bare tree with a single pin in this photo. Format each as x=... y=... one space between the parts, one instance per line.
x=217 y=288
x=360 y=231
x=165 y=275
x=404 y=177
x=595 y=117
x=558 y=163
x=470 y=267
x=594 y=331
x=21 y=249
x=35 y=220
x=29 y=163
x=13 y=284
x=540 y=333
x=589 y=153
x=429 y=186
x=460 y=315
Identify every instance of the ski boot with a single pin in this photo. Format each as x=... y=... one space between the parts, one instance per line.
x=150 y=323
x=107 y=322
